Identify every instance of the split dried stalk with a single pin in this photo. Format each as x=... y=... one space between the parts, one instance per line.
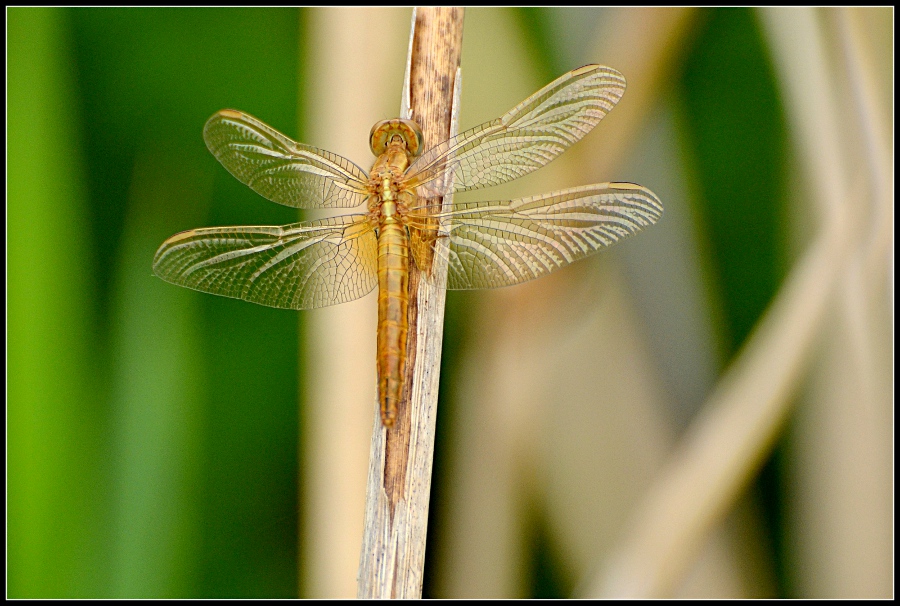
x=393 y=551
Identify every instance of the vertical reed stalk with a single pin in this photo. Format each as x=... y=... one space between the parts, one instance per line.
x=393 y=551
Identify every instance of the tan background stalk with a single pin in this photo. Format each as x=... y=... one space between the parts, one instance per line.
x=354 y=84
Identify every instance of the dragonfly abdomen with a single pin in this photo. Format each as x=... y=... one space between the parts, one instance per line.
x=393 y=300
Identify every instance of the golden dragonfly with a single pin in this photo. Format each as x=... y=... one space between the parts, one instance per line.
x=488 y=244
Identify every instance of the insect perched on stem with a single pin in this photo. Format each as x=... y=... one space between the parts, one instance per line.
x=489 y=244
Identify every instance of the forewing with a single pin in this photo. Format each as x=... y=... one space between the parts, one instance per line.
x=297 y=266
x=494 y=244
x=525 y=138
x=280 y=169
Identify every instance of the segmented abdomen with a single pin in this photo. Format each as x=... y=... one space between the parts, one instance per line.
x=393 y=300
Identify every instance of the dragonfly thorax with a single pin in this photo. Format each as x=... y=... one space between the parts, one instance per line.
x=389 y=168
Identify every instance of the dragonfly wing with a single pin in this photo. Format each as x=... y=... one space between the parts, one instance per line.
x=297 y=266
x=524 y=139
x=280 y=169
x=494 y=244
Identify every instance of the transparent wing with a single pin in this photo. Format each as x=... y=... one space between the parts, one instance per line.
x=494 y=244
x=297 y=266
x=280 y=169
x=524 y=139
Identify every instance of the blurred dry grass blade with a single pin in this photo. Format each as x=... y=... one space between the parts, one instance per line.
x=352 y=84
x=841 y=476
x=647 y=66
x=740 y=420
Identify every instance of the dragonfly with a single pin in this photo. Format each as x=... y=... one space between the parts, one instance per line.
x=491 y=244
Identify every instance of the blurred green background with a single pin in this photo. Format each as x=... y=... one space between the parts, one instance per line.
x=153 y=432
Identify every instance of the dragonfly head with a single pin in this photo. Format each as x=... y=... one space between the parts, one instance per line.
x=384 y=132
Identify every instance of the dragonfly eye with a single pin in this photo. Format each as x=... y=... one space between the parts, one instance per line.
x=385 y=131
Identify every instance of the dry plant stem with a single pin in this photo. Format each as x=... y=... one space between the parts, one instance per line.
x=393 y=550
x=738 y=423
